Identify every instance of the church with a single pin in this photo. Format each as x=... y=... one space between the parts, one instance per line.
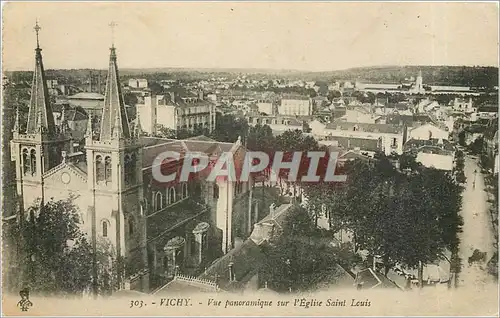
x=159 y=230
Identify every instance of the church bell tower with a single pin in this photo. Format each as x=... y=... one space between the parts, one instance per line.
x=114 y=163
x=39 y=147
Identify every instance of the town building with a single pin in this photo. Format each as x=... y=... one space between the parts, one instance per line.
x=367 y=137
x=463 y=105
x=278 y=123
x=266 y=107
x=295 y=105
x=175 y=112
x=427 y=131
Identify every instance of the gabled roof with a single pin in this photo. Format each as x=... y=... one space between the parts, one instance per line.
x=157 y=146
x=247 y=259
x=87 y=95
x=75 y=115
x=370 y=279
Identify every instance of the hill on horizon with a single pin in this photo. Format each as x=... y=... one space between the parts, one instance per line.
x=475 y=76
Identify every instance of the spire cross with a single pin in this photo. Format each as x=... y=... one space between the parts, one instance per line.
x=112 y=25
x=37 y=29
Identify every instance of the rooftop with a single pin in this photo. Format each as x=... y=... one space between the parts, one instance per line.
x=246 y=259
x=87 y=95
x=417 y=144
x=186 y=285
x=366 y=127
x=173 y=216
x=370 y=279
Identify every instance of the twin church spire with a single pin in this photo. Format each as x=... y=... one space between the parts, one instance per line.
x=114 y=120
x=40 y=117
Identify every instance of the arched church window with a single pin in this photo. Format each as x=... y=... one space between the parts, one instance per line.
x=104 y=229
x=184 y=190
x=158 y=201
x=216 y=191
x=131 y=226
x=99 y=169
x=172 y=196
x=204 y=242
x=107 y=169
x=130 y=168
x=26 y=162
x=33 y=162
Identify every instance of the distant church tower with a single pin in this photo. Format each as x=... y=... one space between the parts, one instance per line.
x=40 y=147
x=419 y=86
x=114 y=161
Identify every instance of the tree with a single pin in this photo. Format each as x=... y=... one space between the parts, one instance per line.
x=228 y=128
x=459 y=166
x=408 y=217
x=476 y=147
x=300 y=259
x=408 y=161
x=164 y=132
x=56 y=257
x=333 y=94
x=130 y=99
x=261 y=138
x=461 y=138
x=156 y=88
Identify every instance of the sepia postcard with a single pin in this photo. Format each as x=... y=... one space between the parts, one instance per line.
x=250 y=158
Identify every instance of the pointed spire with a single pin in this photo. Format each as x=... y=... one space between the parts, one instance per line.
x=114 y=120
x=40 y=117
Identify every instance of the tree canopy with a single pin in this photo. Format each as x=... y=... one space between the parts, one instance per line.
x=302 y=257
x=54 y=255
x=405 y=216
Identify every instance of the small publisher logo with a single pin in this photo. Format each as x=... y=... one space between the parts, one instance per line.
x=25 y=302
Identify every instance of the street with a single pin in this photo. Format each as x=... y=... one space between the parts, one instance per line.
x=477 y=229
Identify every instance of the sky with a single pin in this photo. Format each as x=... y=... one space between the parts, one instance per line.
x=315 y=36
